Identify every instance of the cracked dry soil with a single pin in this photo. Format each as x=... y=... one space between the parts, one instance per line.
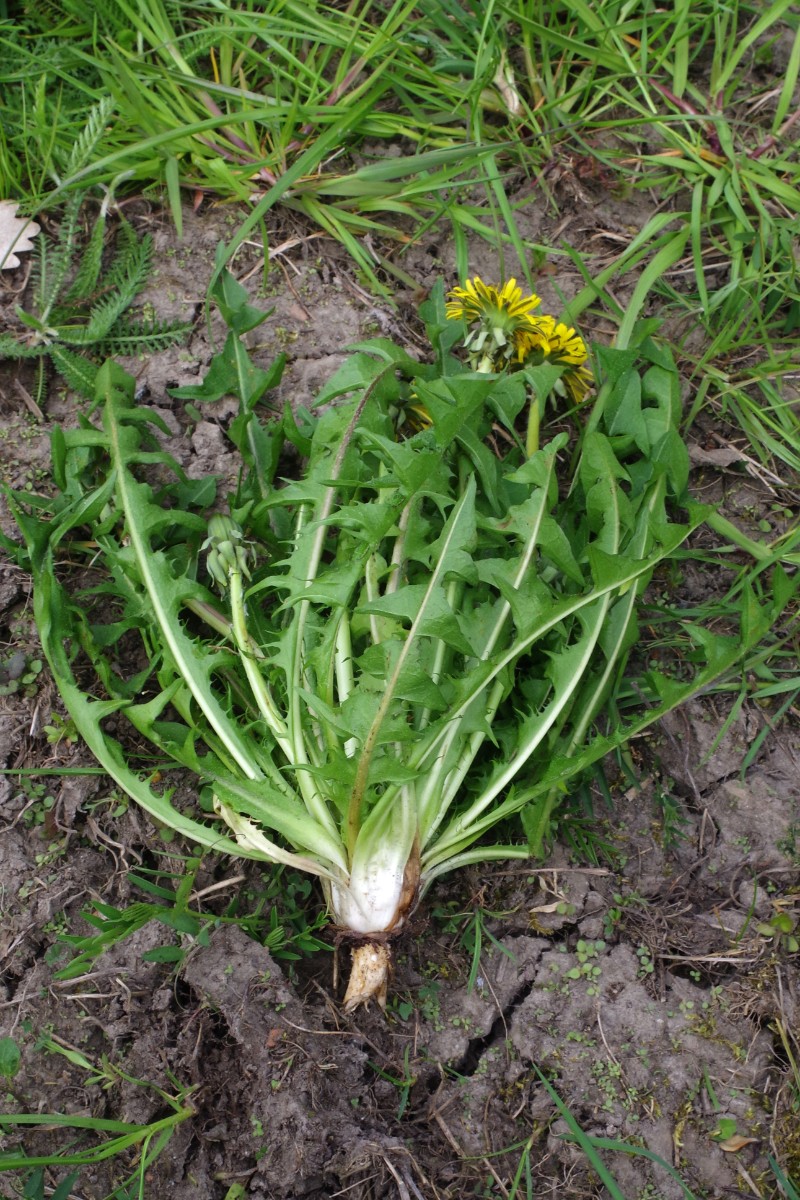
x=640 y=987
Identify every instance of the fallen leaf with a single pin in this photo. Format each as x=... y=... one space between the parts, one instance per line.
x=15 y=235
x=724 y=456
x=733 y=1144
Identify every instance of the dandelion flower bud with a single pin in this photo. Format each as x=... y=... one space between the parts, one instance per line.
x=227 y=550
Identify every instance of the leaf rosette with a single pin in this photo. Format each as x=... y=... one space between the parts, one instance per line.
x=372 y=668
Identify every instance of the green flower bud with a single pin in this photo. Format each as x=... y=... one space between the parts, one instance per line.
x=227 y=550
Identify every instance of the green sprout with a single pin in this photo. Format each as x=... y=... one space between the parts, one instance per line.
x=782 y=929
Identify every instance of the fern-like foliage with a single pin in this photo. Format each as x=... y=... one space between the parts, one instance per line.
x=78 y=371
x=84 y=147
x=78 y=316
x=53 y=262
x=141 y=337
x=85 y=280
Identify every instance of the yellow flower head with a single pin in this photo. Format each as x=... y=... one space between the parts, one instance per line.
x=548 y=340
x=477 y=300
x=498 y=315
x=532 y=341
x=558 y=343
x=503 y=331
x=417 y=416
x=578 y=382
x=566 y=346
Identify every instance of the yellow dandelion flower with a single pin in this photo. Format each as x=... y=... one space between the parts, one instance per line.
x=417 y=416
x=557 y=342
x=578 y=382
x=504 y=333
x=532 y=341
x=567 y=346
x=496 y=316
x=477 y=300
x=548 y=340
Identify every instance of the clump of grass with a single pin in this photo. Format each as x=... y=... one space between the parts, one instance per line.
x=109 y=1139
x=261 y=105
x=269 y=107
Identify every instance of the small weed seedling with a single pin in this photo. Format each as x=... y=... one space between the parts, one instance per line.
x=79 y=315
x=279 y=919
x=782 y=928
x=588 y=968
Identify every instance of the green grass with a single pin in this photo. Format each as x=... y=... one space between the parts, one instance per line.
x=255 y=106
x=269 y=106
x=780 y=1185
x=600 y=1153
x=279 y=915
x=90 y=1141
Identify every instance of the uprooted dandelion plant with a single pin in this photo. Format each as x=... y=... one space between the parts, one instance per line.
x=372 y=667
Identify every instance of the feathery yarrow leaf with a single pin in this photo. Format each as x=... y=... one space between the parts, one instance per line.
x=97 y=118
x=130 y=336
x=88 y=272
x=55 y=259
x=60 y=320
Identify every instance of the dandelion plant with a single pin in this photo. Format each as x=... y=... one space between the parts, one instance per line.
x=374 y=666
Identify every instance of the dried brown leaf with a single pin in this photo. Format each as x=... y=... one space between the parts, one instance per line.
x=733 y=1145
x=15 y=235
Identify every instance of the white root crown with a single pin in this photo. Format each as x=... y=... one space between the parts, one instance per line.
x=372 y=960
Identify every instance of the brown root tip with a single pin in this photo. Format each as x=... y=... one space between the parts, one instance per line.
x=369 y=976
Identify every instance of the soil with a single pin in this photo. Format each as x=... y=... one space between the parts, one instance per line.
x=639 y=985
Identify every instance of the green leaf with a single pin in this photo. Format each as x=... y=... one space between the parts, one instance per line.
x=79 y=373
x=726 y=1128
x=437 y=620
x=357 y=372
x=229 y=370
x=10 y=1058
x=164 y=954
x=172 y=180
x=233 y=301
x=624 y=411
x=88 y=272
